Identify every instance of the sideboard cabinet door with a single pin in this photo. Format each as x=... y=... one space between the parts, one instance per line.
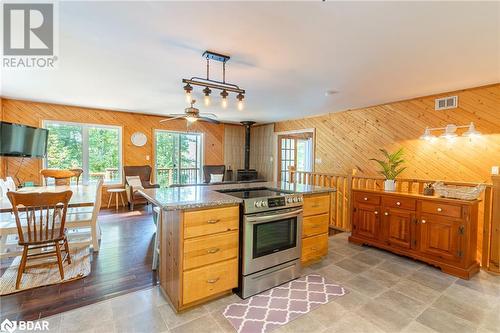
x=366 y=220
x=397 y=227
x=441 y=237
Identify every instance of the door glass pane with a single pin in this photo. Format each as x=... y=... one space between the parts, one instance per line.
x=189 y=158
x=104 y=155
x=64 y=147
x=274 y=236
x=167 y=155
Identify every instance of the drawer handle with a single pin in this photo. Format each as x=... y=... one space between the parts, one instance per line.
x=315 y=205
x=386 y=213
x=439 y=209
x=424 y=221
x=375 y=212
x=212 y=281
x=365 y=199
x=214 y=250
x=213 y=221
x=398 y=203
x=315 y=226
x=314 y=248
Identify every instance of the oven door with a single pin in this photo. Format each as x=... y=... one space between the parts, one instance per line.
x=271 y=238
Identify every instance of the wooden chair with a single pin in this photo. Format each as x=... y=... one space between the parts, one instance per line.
x=45 y=219
x=61 y=177
x=88 y=219
x=77 y=173
x=209 y=170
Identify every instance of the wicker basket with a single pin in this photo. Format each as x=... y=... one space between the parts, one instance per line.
x=458 y=192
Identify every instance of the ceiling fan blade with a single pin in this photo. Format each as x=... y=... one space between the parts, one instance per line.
x=173 y=118
x=210 y=120
x=203 y=114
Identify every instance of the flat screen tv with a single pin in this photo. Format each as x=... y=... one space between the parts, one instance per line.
x=22 y=141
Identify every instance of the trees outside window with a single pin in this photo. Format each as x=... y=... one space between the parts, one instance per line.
x=178 y=157
x=94 y=148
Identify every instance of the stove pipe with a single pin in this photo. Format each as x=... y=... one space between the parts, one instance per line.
x=247 y=125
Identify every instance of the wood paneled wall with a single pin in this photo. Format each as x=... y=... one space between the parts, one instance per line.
x=33 y=113
x=262 y=143
x=346 y=140
x=234 y=147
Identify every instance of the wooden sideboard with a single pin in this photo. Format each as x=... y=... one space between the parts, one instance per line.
x=315 y=227
x=439 y=231
x=199 y=254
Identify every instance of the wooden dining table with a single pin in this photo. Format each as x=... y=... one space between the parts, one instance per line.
x=83 y=195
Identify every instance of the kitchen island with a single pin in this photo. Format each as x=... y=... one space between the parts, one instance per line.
x=199 y=236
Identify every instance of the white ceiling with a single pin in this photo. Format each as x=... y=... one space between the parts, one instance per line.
x=133 y=55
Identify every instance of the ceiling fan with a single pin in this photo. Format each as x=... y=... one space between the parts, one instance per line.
x=192 y=114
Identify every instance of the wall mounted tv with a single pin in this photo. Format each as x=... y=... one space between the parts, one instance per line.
x=22 y=141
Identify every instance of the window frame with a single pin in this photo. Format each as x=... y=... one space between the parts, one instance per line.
x=200 y=152
x=85 y=151
x=296 y=135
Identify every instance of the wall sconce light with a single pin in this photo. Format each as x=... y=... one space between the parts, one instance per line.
x=450 y=132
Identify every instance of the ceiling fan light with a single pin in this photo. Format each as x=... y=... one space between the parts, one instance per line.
x=471 y=131
x=191 y=119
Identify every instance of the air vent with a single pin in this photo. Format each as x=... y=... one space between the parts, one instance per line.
x=446 y=103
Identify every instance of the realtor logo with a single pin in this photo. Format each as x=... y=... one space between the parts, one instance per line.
x=8 y=326
x=28 y=29
x=30 y=35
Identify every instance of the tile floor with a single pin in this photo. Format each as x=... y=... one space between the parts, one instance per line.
x=388 y=293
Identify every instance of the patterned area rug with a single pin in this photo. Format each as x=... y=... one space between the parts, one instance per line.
x=44 y=274
x=276 y=307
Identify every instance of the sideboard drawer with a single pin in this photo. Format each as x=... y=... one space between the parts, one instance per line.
x=368 y=198
x=210 y=221
x=209 y=280
x=399 y=202
x=316 y=204
x=209 y=249
x=314 y=225
x=441 y=209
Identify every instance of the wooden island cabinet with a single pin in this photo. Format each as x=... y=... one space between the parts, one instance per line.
x=439 y=231
x=315 y=226
x=199 y=254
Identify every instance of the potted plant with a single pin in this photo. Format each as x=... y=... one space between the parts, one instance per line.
x=391 y=168
x=428 y=189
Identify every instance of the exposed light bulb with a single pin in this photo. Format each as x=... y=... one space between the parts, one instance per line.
x=206 y=100
x=224 y=102
x=449 y=132
x=427 y=136
x=191 y=119
x=241 y=105
x=189 y=97
x=188 y=89
x=472 y=132
x=240 y=98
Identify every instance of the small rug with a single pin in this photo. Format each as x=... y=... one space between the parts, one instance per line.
x=45 y=273
x=278 y=306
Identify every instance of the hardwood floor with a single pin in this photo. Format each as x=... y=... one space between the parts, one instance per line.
x=122 y=265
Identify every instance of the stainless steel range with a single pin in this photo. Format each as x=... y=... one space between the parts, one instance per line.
x=270 y=238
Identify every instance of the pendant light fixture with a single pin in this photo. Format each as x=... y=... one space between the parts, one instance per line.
x=209 y=84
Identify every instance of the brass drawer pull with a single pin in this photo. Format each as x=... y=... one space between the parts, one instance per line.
x=424 y=221
x=375 y=212
x=439 y=209
x=314 y=248
x=365 y=199
x=315 y=205
x=214 y=250
x=213 y=280
x=213 y=221
x=386 y=213
x=315 y=226
x=398 y=203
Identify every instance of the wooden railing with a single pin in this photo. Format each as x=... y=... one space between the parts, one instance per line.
x=167 y=176
x=489 y=207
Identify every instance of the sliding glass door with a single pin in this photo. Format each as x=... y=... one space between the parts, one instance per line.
x=178 y=157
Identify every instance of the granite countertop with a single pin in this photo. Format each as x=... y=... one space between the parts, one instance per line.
x=190 y=197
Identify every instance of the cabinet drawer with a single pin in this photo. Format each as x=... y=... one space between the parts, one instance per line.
x=314 y=225
x=314 y=247
x=209 y=249
x=316 y=204
x=399 y=202
x=441 y=209
x=210 y=221
x=209 y=280
x=368 y=198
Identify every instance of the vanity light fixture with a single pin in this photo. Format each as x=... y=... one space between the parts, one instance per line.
x=450 y=132
x=209 y=84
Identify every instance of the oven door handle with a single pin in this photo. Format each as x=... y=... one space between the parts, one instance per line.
x=273 y=217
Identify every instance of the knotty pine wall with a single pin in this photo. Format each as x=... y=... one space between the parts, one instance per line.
x=346 y=140
x=33 y=113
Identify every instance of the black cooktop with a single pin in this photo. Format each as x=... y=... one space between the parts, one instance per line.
x=252 y=193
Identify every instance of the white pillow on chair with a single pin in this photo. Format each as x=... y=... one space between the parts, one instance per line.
x=135 y=182
x=216 y=178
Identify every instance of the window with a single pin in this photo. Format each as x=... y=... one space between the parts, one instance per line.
x=94 y=148
x=294 y=149
x=178 y=157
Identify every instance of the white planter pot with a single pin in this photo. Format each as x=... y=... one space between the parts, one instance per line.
x=390 y=185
